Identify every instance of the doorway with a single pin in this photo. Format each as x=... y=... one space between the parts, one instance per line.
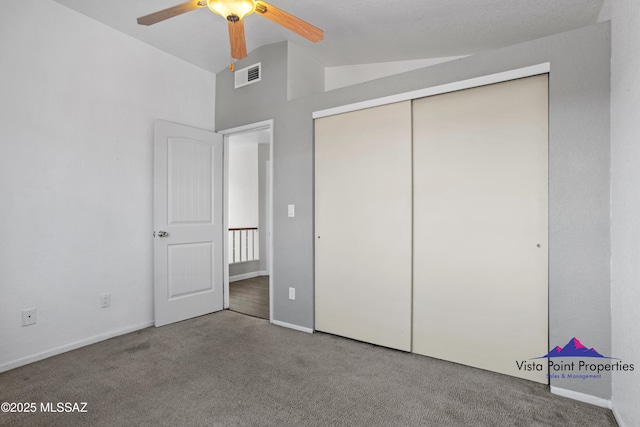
x=248 y=261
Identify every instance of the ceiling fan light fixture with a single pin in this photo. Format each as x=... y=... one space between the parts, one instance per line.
x=237 y=9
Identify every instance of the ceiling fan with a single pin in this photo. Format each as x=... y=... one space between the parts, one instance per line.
x=235 y=11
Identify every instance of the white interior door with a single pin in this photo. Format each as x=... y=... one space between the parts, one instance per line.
x=188 y=252
x=480 y=293
x=363 y=225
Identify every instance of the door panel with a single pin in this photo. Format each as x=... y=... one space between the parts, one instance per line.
x=363 y=225
x=189 y=269
x=480 y=261
x=188 y=265
x=190 y=181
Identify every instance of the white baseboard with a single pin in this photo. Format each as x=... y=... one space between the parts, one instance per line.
x=247 y=276
x=291 y=326
x=582 y=397
x=73 y=346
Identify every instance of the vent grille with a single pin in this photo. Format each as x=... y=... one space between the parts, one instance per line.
x=254 y=73
x=248 y=75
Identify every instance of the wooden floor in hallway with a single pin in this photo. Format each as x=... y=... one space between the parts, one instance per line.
x=250 y=296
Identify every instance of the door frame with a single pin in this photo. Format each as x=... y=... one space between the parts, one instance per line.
x=227 y=133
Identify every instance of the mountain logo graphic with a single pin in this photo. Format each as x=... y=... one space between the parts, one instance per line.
x=574 y=348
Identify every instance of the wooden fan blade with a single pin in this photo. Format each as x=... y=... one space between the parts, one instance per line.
x=236 y=37
x=289 y=21
x=161 y=15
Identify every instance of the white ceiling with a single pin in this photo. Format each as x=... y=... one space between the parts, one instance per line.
x=356 y=31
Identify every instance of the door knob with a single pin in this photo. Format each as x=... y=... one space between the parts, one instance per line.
x=162 y=234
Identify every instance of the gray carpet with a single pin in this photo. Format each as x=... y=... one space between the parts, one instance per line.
x=227 y=369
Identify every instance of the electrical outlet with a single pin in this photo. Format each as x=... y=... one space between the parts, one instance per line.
x=292 y=293
x=28 y=316
x=105 y=300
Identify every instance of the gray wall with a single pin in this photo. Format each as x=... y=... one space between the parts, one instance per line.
x=579 y=153
x=304 y=75
x=625 y=209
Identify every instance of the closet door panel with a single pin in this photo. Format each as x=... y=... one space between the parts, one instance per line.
x=480 y=293
x=363 y=225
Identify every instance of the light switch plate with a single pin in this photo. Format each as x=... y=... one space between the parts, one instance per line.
x=291 y=211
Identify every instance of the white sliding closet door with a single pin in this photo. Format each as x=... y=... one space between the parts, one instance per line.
x=480 y=292
x=363 y=225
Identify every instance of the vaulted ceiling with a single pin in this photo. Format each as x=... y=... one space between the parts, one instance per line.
x=356 y=31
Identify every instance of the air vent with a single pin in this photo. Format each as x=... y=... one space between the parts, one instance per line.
x=248 y=75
